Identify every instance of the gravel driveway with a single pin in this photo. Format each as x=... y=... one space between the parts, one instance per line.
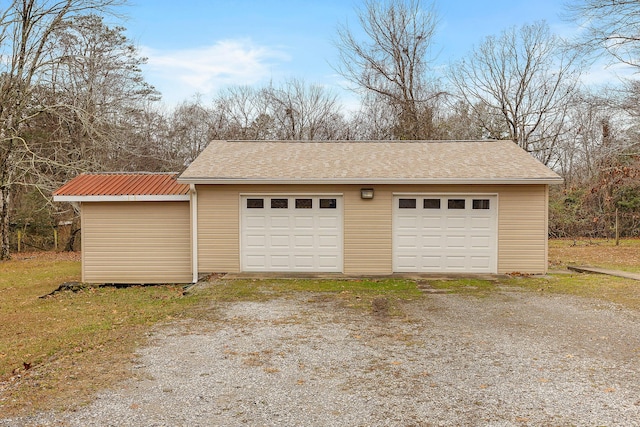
x=510 y=359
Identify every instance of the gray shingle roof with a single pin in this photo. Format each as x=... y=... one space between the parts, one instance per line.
x=469 y=162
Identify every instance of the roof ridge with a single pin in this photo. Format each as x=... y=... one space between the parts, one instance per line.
x=364 y=141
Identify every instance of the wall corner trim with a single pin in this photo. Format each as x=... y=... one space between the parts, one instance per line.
x=194 y=231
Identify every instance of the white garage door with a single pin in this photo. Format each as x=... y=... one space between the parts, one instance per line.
x=291 y=233
x=445 y=233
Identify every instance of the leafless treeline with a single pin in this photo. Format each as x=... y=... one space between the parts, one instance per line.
x=73 y=98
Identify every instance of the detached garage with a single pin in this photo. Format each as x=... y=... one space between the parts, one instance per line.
x=377 y=207
x=357 y=208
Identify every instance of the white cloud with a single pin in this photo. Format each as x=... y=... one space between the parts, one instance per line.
x=602 y=73
x=179 y=74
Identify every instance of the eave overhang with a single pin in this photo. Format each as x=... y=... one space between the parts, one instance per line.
x=371 y=181
x=124 y=198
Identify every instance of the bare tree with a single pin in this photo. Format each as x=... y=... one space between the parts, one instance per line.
x=97 y=93
x=29 y=31
x=191 y=126
x=243 y=112
x=611 y=26
x=148 y=143
x=393 y=61
x=519 y=86
x=374 y=120
x=595 y=133
x=291 y=110
x=304 y=112
x=459 y=122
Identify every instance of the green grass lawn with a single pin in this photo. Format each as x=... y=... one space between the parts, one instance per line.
x=73 y=342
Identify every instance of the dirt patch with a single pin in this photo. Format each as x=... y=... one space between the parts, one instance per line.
x=512 y=358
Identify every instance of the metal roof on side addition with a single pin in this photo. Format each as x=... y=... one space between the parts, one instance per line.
x=98 y=187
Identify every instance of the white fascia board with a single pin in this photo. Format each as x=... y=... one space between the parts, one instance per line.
x=125 y=198
x=373 y=181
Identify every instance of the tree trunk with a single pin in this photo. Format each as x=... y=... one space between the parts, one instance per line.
x=5 y=250
x=72 y=240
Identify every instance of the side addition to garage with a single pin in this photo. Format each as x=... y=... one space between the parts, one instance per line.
x=136 y=228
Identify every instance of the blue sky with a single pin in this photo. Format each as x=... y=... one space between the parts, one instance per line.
x=198 y=46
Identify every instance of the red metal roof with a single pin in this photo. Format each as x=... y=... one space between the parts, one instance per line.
x=123 y=184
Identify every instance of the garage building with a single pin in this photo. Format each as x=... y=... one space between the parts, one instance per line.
x=363 y=208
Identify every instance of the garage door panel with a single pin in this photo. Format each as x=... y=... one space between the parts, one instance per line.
x=431 y=242
x=327 y=262
x=328 y=222
x=406 y=261
x=279 y=241
x=408 y=241
x=437 y=237
x=328 y=242
x=303 y=241
x=432 y=223
x=303 y=262
x=455 y=242
x=255 y=241
x=280 y=222
x=453 y=262
x=304 y=222
x=432 y=262
x=256 y=261
x=255 y=222
x=480 y=242
x=278 y=261
x=301 y=237
x=480 y=262
x=456 y=223
x=407 y=222
x=481 y=223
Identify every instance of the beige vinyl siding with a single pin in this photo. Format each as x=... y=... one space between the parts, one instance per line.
x=218 y=229
x=523 y=229
x=522 y=224
x=367 y=232
x=136 y=242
